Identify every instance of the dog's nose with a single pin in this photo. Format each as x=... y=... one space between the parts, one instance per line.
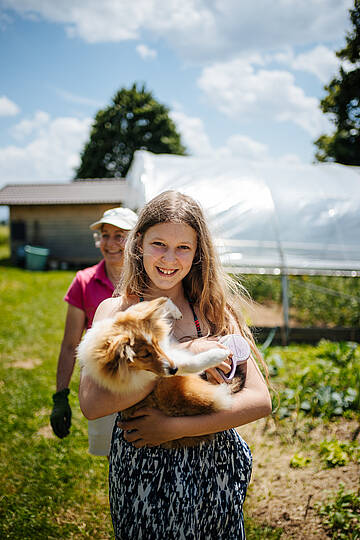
x=173 y=370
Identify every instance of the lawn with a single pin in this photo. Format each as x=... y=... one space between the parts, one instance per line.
x=50 y=488
x=55 y=489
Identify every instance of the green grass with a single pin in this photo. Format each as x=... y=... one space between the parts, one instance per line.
x=49 y=488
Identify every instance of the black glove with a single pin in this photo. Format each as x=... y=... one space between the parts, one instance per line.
x=60 y=418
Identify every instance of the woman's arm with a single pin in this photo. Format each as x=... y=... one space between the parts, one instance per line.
x=153 y=428
x=96 y=401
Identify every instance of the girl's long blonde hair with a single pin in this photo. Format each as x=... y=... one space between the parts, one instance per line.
x=219 y=298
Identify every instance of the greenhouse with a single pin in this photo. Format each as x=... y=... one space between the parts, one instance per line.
x=269 y=218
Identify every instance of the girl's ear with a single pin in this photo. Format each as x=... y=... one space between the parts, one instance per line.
x=139 y=241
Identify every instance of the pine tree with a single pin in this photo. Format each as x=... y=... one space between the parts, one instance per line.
x=343 y=103
x=133 y=121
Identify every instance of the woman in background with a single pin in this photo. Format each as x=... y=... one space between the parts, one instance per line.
x=88 y=289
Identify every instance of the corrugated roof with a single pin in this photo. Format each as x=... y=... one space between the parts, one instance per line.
x=87 y=191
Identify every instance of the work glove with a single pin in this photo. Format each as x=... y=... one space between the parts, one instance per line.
x=60 y=418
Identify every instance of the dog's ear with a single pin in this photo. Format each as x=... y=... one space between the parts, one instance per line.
x=128 y=353
x=121 y=351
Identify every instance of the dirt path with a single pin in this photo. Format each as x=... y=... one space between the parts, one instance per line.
x=285 y=497
x=264 y=315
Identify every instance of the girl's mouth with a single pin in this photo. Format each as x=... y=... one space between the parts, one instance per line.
x=166 y=271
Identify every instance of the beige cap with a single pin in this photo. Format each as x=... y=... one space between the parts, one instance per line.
x=124 y=218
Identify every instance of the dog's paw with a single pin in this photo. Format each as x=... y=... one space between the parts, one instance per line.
x=208 y=359
x=216 y=356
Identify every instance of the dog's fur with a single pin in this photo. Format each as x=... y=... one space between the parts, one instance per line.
x=125 y=353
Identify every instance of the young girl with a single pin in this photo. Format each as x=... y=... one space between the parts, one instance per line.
x=188 y=493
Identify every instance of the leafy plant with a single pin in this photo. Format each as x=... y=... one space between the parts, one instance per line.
x=314 y=300
x=298 y=461
x=337 y=454
x=260 y=532
x=322 y=381
x=341 y=515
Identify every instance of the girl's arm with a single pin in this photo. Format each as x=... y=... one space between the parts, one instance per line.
x=96 y=401
x=153 y=428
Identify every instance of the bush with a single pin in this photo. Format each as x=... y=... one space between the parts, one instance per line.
x=322 y=381
x=337 y=454
x=341 y=515
x=314 y=300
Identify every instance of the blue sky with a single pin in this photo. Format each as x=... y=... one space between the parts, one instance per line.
x=241 y=78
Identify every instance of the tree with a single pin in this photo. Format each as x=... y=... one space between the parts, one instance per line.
x=343 y=103
x=133 y=121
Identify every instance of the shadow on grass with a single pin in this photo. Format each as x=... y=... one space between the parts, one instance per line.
x=8 y=263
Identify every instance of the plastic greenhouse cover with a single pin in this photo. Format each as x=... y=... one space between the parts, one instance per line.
x=267 y=217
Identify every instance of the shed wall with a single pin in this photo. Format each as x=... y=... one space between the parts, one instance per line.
x=63 y=229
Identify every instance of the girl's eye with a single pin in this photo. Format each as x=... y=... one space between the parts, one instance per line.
x=158 y=244
x=184 y=247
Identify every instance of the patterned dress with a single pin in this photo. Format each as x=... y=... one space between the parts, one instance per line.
x=194 y=493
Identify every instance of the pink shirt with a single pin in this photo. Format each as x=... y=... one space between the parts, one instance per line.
x=89 y=288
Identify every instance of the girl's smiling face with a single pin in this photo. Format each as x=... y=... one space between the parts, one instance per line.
x=168 y=253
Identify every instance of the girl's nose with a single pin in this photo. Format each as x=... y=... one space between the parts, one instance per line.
x=169 y=255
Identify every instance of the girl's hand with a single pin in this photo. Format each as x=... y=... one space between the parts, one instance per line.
x=214 y=376
x=148 y=427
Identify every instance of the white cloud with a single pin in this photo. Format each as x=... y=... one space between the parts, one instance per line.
x=198 y=29
x=145 y=52
x=238 y=146
x=320 y=61
x=51 y=155
x=237 y=89
x=81 y=100
x=8 y=107
x=193 y=133
x=26 y=127
x=243 y=147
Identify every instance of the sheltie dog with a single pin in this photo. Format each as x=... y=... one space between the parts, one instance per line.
x=123 y=354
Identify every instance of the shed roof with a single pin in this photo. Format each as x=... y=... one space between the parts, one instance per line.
x=80 y=192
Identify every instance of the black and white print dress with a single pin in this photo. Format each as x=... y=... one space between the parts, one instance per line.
x=194 y=493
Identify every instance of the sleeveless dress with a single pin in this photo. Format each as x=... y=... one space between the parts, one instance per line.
x=194 y=493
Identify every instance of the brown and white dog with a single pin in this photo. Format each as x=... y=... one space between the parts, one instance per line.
x=125 y=353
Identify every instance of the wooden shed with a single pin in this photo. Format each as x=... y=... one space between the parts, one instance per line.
x=57 y=216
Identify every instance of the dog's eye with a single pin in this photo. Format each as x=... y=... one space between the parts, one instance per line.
x=145 y=355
